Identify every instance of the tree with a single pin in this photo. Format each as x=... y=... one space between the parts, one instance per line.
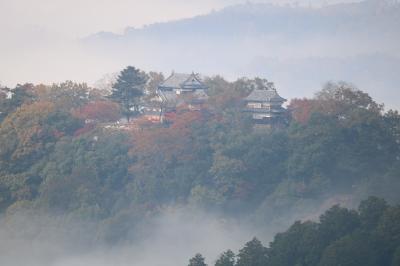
x=155 y=79
x=371 y=211
x=197 y=260
x=351 y=250
x=86 y=172
x=300 y=241
x=29 y=133
x=388 y=228
x=347 y=103
x=226 y=259
x=11 y=99
x=337 y=222
x=65 y=96
x=128 y=89
x=301 y=109
x=98 y=111
x=396 y=257
x=253 y=254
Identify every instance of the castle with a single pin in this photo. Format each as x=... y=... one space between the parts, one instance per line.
x=264 y=104
x=176 y=91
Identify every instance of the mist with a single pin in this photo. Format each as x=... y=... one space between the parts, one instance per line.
x=83 y=185
x=354 y=42
x=169 y=238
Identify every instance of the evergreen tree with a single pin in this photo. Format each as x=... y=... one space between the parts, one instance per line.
x=253 y=254
x=128 y=89
x=21 y=94
x=371 y=210
x=226 y=259
x=396 y=257
x=197 y=260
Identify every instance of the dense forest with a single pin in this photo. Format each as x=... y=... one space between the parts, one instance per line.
x=369 y=236
x=64 y=154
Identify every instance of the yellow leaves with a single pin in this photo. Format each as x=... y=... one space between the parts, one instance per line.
x=226 y=166
x=22 y=131
x=30 y=114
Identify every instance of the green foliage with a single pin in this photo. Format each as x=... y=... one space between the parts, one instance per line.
x=252 y=254
x=213 y=158
x=396 y=257
x=388 y=228
x=65 y=96
x=86 y=171
x=128 y=89
x=197 y=260
x=371 y=210
x=226 y=259
x=29 y=133
x=297 y=246
x=337 y=222
x=352 y=250
x=341 y=237
x=10 y=100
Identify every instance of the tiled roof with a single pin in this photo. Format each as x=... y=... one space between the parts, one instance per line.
x=170 y=98
x=264 y=95
x=175 y=80
x=180 y=80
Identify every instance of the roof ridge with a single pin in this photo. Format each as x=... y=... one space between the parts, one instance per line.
x=190 y=76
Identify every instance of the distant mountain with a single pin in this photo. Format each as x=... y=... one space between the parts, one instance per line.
x=299 y=48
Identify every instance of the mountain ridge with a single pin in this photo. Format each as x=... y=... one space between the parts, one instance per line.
x=229 y=41
x=369 y=7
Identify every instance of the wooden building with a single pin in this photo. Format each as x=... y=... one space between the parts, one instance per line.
x=178 y=90
x=265 y=105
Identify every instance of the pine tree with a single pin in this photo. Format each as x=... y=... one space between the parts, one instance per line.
x=253 y=254
x=226 y=259
x=128 y=89
x=197 y=260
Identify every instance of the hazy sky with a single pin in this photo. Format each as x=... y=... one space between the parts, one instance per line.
x=78 y=18
x=39 y=37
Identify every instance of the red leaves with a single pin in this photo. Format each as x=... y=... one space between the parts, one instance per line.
x=301 y=109
x=168 y=144
x=184 y=119
x=87 y=128
x=98 y=111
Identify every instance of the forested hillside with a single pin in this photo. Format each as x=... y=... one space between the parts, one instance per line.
x=368 y=236
x=62 y=154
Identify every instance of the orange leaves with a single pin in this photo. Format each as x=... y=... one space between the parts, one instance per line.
x=166 y=144
x=31 y=115
x=87 y=128
x=183 y=119
x=98 y=111
x=24 y=129
x=301 y=109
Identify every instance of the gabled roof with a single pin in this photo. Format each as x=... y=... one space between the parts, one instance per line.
x=169 y=98
x=264 y=95
x=182 y=81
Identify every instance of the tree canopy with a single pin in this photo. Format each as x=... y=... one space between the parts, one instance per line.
x=128 y=89
x=340 y=237
x=62 y=151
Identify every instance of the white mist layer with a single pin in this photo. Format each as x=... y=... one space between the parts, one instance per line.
x=169 y=240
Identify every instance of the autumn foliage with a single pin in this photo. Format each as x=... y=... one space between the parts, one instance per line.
x=301 y=109
x=171 y=141
x=98 y=111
